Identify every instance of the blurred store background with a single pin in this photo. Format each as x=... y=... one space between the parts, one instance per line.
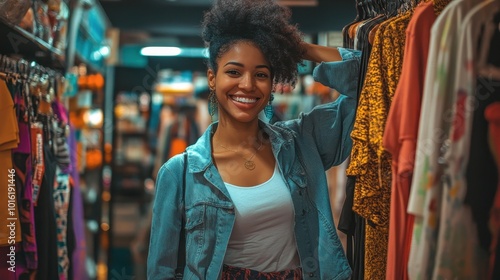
x=119 y=86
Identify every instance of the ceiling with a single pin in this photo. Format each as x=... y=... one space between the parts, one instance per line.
x=177 y=22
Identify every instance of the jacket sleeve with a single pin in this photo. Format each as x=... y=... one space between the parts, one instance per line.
x=166 y=221
x=328 y=126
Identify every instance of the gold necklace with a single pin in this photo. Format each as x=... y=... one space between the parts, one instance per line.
x=249 y=163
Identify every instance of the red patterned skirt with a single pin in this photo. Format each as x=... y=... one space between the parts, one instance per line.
x=236 y=273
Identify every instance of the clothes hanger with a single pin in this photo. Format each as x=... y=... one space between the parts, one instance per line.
x=380 y=7
x=370 y=12
x=360 y=5
x=360 y=13
x=370 y=6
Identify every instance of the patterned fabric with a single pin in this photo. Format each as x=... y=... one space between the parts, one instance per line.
x=61 y=195
x=442 y=44
x=22 y=160
x=60 y=135
x=236 y=273
x=457 y=231
x=369 y=161
x=444 y=241
x=439 y=5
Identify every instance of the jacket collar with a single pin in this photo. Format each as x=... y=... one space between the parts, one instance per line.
x=200 y=154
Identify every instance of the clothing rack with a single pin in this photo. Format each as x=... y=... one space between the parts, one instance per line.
x=44 y=190
x=23 y=69
x=44 y=83
x=425 y=201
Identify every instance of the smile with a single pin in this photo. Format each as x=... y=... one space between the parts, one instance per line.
x=245 y=100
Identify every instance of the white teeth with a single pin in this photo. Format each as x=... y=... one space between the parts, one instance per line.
x=244 y=99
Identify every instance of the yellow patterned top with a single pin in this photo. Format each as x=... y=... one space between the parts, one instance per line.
x=370 y=163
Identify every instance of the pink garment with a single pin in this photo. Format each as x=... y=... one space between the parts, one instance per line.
x=400 y=137
x=23 y=164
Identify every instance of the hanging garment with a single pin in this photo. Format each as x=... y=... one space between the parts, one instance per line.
x=425 y=196
x=369 y=161
x=457 y=231
x=481 y=171
x=365 y=45
x=61 y=191
x=350 y=223
x=442 y=159
x=76 y=222
x=353 y=225
x=23 y=165
x=401 y=133
x=13 y=177
x=9 y=138
x=359 y=158
x=61 y=194
x=45 y=222
x=61 y=149
x=492 y=115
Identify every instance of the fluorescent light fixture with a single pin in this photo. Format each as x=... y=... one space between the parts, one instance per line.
x=105 y=51
x=161 y=51
x=174 y=51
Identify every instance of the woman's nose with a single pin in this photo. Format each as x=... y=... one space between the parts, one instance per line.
x=247 y=82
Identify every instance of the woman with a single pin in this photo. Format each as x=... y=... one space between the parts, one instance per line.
x=255 y=199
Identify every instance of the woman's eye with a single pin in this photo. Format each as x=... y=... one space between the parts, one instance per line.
x=262 y=75
x=232 y=72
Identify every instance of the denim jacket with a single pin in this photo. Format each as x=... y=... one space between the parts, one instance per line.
x=304 y=148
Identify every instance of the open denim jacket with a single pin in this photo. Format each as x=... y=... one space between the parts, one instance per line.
x=304 y=148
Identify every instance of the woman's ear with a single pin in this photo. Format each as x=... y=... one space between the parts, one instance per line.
x=211 y=78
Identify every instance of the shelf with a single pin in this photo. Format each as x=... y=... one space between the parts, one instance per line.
x=19 y=42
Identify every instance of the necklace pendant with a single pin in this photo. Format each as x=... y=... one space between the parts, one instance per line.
x=250 y=165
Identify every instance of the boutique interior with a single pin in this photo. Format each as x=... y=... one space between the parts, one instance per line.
x=99 y=94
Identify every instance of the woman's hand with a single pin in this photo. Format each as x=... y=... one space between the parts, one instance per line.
x=320 y=54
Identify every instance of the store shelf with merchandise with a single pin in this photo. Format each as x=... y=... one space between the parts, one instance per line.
x=36 y=47
x=91 y=49
x=88 y=71
x=21 y=43
x=130 y=166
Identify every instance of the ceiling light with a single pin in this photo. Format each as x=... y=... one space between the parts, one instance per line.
x=161 y=51
x=175 y=51
x=105 y=51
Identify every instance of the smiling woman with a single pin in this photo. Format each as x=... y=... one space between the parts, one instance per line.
x=248 y=184
x=242 y=84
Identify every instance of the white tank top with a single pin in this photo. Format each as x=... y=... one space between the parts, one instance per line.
x=263 y=236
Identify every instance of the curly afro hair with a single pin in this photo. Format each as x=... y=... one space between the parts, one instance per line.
x=263 y=22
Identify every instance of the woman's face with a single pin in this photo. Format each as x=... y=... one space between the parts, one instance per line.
x=242 y=83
